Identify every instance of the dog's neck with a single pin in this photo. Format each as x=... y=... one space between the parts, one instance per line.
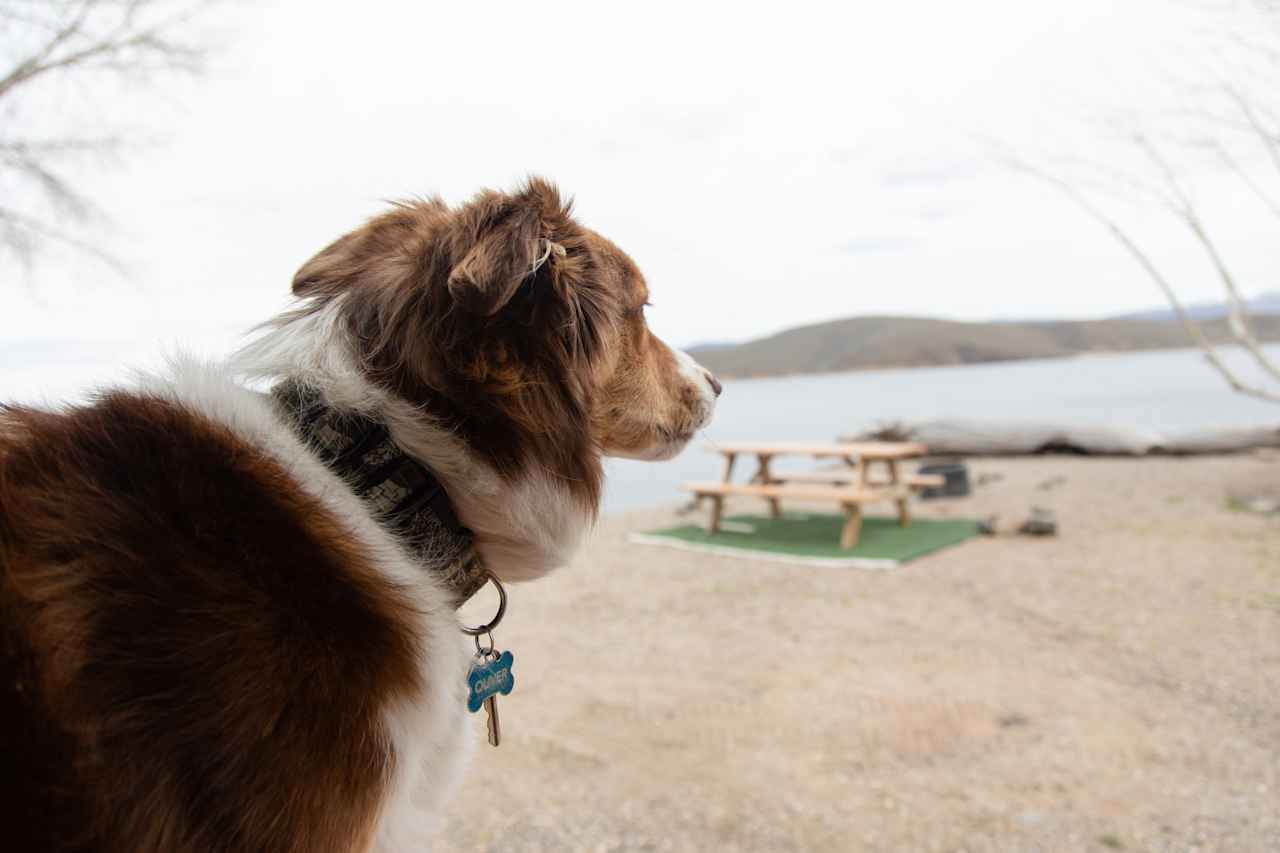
x=523 y=528
x=400 y=492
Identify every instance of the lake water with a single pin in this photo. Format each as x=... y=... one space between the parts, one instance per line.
x=1164 y=390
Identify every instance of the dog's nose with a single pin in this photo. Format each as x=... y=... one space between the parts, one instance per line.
x=715 y=383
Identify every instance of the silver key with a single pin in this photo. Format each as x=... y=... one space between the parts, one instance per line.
x=495 y=727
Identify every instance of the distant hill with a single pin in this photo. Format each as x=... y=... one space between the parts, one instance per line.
x=1264 y=303
x=864 y=343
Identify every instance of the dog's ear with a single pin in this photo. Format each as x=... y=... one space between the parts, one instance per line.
x=505 y=242
x=384 y=252
x=342 y=261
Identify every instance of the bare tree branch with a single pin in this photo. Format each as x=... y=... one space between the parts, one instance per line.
x=1269 y=137
x=120 y=47
x=83 y=43
x=1185 y=210
x=1248 y=180
x=1225 y=120
x=23 y=234
x=1194 y=332
x=70 y=146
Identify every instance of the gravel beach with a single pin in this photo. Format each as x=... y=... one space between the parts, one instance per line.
x=1114 y=688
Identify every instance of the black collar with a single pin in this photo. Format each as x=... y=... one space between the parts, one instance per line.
x=400 y=491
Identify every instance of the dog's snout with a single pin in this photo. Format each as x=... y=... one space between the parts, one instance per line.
x=713 y=382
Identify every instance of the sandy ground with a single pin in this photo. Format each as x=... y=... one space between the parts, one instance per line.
x=1117 y=687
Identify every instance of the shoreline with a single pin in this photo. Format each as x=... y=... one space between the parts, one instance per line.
x=1098 y=354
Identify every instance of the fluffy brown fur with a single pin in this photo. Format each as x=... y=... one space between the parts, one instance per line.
x=195 y=655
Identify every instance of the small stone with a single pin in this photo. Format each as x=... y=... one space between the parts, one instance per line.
x=1041 y=523
x=1264 y=506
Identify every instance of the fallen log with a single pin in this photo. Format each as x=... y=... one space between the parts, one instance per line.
x=962 y=437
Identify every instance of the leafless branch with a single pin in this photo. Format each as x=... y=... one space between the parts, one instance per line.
x=1131 y=246
x=124 y=44
x=1185 y=210
x=71 y=146
x=83 y=43
x=1222 y=111
x=24 y=235
x=1268 y=135
x=1247 y=179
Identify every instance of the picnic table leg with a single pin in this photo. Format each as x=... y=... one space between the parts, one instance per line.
x=852 y=526
x=717 y=510
x=765 y=477
x=729 y=459
x=904 y=513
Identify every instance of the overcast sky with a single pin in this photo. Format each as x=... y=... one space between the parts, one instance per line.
x=765 y=166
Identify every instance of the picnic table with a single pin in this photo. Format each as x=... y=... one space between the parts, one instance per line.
x=856 y=454
x=850 y=485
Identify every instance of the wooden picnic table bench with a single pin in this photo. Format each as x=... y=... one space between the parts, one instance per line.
x=849 y=499
x=849 y=488
x=850 y=475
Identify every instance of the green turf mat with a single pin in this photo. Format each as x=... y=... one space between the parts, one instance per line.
x=815 y=538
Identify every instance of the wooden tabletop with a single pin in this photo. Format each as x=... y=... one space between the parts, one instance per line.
x=861 y=449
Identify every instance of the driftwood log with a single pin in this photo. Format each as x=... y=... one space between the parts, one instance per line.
x=957 y=437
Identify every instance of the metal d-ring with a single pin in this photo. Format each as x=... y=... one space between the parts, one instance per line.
x=486 y=652
x=487 y=628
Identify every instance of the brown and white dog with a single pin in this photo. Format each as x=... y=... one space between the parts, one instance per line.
x=210 y=643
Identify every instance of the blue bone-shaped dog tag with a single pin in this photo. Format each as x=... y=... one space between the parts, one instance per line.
x=489 y=679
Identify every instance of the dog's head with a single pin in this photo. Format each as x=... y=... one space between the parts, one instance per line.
x=518 y=329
